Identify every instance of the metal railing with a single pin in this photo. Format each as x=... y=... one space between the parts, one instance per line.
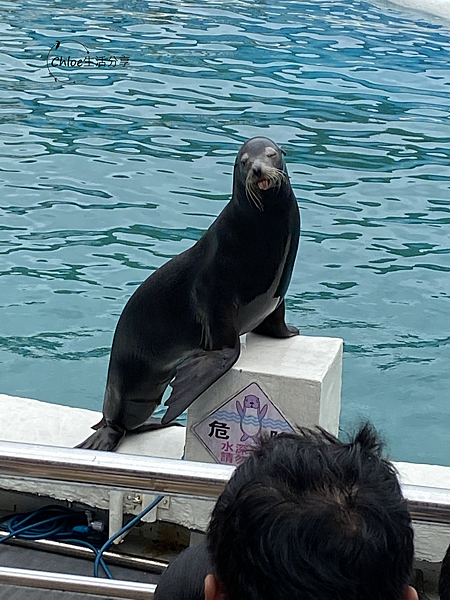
x=76 y=583
x=163 y=475
x=113 y=470
x=110 y=470
x=428 y=503
x=137 y=563
x=160 y=475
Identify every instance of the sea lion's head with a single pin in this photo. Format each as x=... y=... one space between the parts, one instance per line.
x=260 y=168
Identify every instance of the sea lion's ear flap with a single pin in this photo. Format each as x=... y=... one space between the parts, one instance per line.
x=283 y=152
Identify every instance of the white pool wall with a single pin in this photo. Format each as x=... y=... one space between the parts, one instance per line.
x=439 y=8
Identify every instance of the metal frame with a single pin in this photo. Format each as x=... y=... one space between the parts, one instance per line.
x=113 y=470
x=164 y=475
x=148 y=565
x=76 y=583
x=426 y=503
x=108 y=470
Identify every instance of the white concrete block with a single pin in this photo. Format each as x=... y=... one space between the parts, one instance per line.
x=301 y=376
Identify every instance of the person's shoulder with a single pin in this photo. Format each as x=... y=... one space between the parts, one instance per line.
x=185 y=576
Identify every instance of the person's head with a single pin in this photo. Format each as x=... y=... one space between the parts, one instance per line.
x=308 y=517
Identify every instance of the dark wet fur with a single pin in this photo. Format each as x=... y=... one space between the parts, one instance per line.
x=182 y=325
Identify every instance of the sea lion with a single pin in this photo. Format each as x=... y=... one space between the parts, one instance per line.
x=184 y=321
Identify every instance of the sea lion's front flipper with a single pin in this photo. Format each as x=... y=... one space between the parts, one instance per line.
x=275 y=326
x=106 y=438
x=195 y=375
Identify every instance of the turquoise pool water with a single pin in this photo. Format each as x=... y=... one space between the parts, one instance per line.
x=105 y=178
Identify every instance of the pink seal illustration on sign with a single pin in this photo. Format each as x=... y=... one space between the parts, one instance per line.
x=231 y=431
x=251 y=415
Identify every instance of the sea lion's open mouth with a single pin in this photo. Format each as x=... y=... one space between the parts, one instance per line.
x=268 y=178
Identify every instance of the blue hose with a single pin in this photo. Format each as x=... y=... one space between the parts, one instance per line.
x=55 y=523
x=65 y=525
x=124 y=529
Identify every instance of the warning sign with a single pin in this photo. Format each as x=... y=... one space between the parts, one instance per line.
x=232 y=429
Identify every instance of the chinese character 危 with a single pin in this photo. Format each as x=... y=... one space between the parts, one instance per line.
x=219 y=430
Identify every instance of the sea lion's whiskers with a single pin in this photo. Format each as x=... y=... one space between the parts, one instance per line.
x=276 y=176
x=256 y=198
x=274 y=181
x=253 y=194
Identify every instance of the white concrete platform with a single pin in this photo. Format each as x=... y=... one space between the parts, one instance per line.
x=35 y=422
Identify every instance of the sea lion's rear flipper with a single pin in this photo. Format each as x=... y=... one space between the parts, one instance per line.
x=275 y=326
x=151 y=424
x=106 y=438
x=195 y=375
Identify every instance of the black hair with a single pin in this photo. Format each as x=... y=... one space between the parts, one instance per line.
x=310 y=517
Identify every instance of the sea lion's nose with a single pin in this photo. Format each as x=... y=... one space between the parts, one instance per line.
x=257 y=170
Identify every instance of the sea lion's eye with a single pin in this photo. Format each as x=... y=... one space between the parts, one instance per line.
x=244 y=159
x=270 y=152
